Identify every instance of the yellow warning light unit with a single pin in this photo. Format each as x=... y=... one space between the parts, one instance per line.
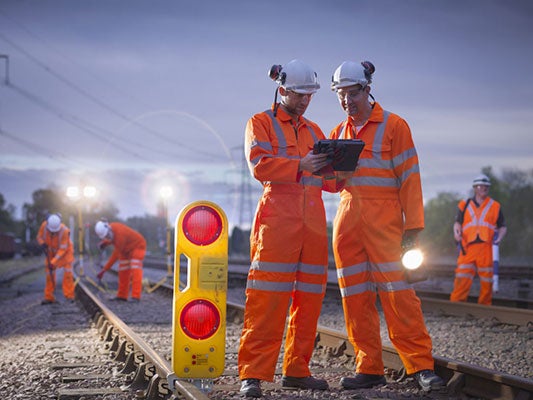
x=199 y=309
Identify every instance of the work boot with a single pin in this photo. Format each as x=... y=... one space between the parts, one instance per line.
x=251 y=388
x=428 y=380
x=135 y=300
x=307 y=382
x=46 y=301
x=363 y=381
x=117 y=299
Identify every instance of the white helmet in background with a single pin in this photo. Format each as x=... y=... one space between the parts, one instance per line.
x=102 y=229
x=481 y=180
x=295 y=76
x=350 y=73
x=53 y=223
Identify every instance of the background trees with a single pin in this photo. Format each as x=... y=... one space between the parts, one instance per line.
x=513 y=189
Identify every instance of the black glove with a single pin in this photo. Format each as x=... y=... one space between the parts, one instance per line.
x=100 y=275
x=103 y=244
x=409 y=239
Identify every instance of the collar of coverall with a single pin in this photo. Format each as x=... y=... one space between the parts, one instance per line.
x=284 y=116
x=376 y=115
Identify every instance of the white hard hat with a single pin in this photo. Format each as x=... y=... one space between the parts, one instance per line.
x=102 y=229
x=350 y=73
x=481 y=180
x=295 y=76
x=53 y=223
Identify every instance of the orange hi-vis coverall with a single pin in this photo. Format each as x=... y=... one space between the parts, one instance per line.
x=479 y=224
x=288 y=248
x=59 y=254
x=381 y=201
x=129 y=249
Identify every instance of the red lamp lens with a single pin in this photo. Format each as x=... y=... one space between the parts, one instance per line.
x=202 y=225
x=200 y=319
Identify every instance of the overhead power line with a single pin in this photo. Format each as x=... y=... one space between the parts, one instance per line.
x=91 y=128
x=41 y=150
x=99 y=102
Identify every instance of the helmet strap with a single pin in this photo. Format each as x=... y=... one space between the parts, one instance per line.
x=276 y=105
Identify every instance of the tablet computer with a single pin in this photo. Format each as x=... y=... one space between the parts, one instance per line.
x=343 y=153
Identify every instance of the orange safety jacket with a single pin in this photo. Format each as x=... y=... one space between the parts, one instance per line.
x=479 y=223
x=128 y=244
x=60 y=247
x=384 y=171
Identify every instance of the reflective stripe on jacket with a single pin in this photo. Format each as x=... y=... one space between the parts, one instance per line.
x=128 y=244
x=60 y=247
x=479 y=221
x=388 y=166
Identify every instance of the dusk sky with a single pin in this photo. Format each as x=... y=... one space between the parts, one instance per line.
x=130 y=95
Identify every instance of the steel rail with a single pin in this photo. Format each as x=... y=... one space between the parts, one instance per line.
x=506 y=315
x=462 y=378
x=163 y=371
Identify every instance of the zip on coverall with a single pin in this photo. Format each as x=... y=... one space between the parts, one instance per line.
x=380 y=202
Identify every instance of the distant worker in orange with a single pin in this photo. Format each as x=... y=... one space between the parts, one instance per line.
x=380 y=211
x=54 y=239
x=288 y=242
x=477 y=220
x=129 y=250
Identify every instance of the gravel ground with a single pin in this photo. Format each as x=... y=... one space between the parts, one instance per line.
x=35 y=338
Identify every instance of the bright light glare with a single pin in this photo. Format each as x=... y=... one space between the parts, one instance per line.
x=89 y=191
x=412 y=259
x=165 y=192
x=73 y=192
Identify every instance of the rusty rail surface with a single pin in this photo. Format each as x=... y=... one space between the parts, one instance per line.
x=152 y=372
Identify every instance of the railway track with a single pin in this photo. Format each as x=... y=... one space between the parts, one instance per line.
x=144 y=367
x=150 y=380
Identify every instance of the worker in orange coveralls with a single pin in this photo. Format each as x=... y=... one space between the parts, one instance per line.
x=288 y=242
x=54 y=238
x=478 y=219
x=130 y=249
x=380 y=210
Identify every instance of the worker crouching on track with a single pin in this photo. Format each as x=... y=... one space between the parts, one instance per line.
x=380 y=209
x=54 y=239
x=477 y=220
x=288 y=242
x=129 y=250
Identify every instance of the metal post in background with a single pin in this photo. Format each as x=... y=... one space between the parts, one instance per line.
x=6 y=57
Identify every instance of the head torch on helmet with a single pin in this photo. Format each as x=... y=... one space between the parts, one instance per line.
x=295 y=76
x=351 y=73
